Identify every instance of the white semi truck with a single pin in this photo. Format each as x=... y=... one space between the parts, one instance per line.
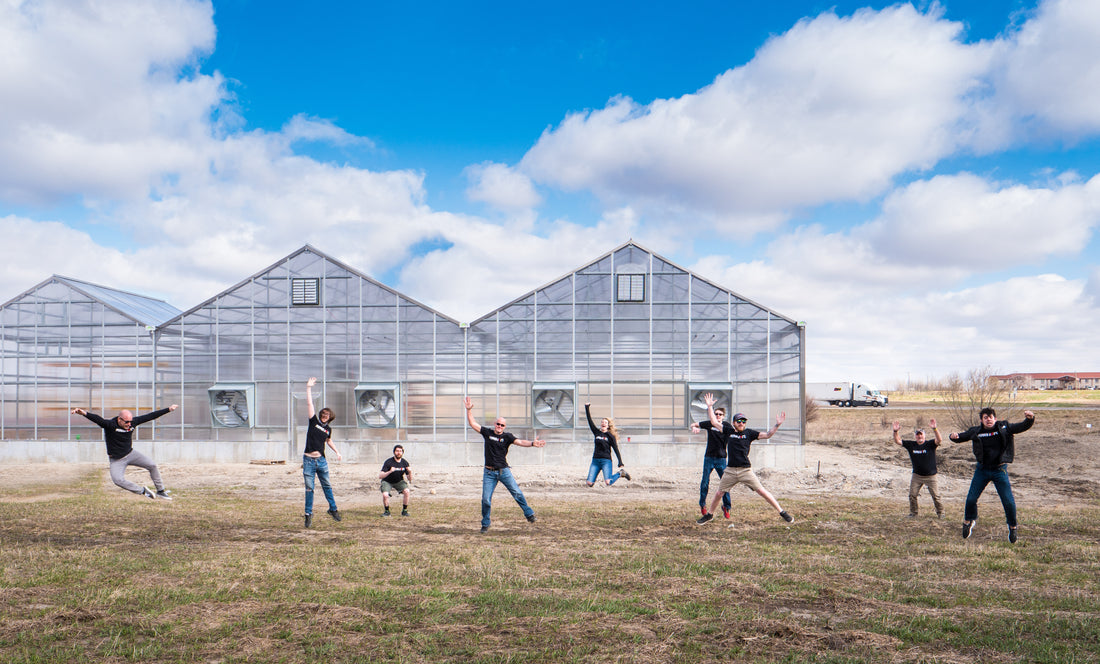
x=846 y=393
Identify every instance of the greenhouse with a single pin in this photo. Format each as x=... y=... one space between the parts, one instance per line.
x=635 y=335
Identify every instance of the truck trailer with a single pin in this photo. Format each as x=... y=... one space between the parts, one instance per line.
x=846 y=393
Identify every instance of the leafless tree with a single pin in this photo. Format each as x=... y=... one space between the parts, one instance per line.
x=813 y=409
x=965 y=397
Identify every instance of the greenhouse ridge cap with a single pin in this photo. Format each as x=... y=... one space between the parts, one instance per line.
x=146 y=310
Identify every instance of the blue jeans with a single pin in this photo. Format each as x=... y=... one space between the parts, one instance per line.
x=709 y=464
x=983 y=475
x=489 y=479
x=601 y=466
x=317 y=467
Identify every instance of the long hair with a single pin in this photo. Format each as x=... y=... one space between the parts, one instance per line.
x=611 y=428
x=331 y=415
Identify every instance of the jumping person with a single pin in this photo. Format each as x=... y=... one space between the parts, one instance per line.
x=606 y=437
x=714 y=458
x=118 y=433
x=314 y=464
x=994 y=448
x=738 y=468
x=922 y=454
x=497 y=441
x=395 y=476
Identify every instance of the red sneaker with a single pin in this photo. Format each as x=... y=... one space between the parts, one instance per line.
x=703 y=510
x=726 y=512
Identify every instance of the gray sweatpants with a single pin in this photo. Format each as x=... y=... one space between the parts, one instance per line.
x=134 y=458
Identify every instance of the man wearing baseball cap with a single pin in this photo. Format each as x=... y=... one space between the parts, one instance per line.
x=738 y=469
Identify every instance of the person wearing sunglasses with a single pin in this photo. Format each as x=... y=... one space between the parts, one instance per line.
x=714 y=457
x=738 y=468
x=118 y=433
x=497 y=441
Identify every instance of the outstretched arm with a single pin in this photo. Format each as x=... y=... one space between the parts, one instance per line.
x=1023 y=425
x=779 y=419
x=470 y=415
x=309 y=396
x=935 y=432
x=142 y=419
x=897 y=432
x=537 y=442
x=588 y=413
x=710 y=400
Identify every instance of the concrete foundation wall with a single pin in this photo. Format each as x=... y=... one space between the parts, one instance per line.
x=433 y=453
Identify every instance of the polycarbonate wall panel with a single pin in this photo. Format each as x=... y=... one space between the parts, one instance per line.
x=633 y=360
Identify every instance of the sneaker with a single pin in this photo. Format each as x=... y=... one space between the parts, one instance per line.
x=335 y=514
x=309 y=520
x=703 y=510
x=1012 y=535
x=940 y=515
x=967 y=529
x=531 y=518
x=386 y=513
x=912 y=516
x=726 y=512
x=623 y=474
x=485 y=529
x=786 y=517
x=703 y=519
x=404 y=512
x=163 y=494
x=147 y=493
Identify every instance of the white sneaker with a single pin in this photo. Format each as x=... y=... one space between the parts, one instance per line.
x=147 y=493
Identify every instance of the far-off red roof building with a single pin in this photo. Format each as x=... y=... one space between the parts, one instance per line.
x=1074 y=380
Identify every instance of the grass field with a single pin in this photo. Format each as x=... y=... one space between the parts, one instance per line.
x=90 y=573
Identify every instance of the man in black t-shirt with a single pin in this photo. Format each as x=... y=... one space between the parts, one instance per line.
x=922 y=454
x=497 y=441
x=714 y=458
x=314 y=464
x=738 y=468
x=395 y=476
x=118 y=433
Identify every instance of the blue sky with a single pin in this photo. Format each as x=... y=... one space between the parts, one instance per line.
x=915 y=181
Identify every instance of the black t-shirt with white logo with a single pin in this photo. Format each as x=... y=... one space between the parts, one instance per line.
x=923 y=456
x=716 y=440
x=399 y=469
x=316 y=435
x=496 y=447
x=737 y=446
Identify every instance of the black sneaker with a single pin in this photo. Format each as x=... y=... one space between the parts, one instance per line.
x=1012 y=535
x=786 y=517
x=386 y=513
x=485 y=529
x=404 y=512
x=163 y=494
x=703 y=519
x=623 y=474
x=309 y=520
x=967 y=529
x=335 y=514
x=531 y=518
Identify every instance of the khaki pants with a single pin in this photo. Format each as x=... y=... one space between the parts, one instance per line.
x=933 y=490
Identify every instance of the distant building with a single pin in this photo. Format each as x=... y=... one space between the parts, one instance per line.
x=1078 y=380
